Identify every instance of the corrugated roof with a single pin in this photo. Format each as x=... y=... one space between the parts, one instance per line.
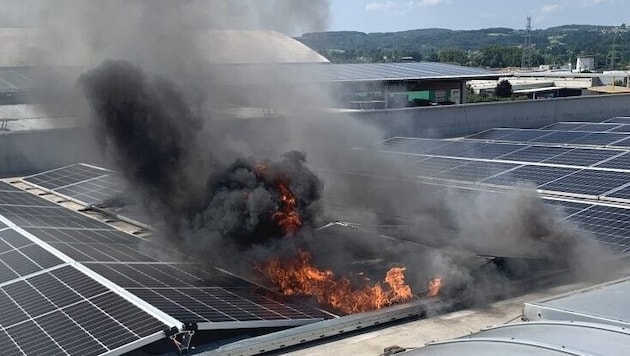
x=359 y=72
x=536 y=338
x=586 y=305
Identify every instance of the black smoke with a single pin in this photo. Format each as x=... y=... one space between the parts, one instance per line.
x=199 y=193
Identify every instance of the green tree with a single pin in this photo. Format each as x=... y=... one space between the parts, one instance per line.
x=451 y=55
x=503 y=89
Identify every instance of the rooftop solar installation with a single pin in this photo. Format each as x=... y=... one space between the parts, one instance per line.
x=596 y=127
x=621 y=161
x=537 y=175
x=568 y=126
x=619 y=120
x=557 y=137
x=598 y=139
x=62 y=311
x=437 y=165
x=622 y=194
x=494 y=150
x=93 y=191
x=610 y=225
x=534 y=154
x=66 y=176
x=588 y=182
x=621 y=128
x=625 y=143
x=493 y=134
x=526 y=135
x=476 y=171
x=176 y=291
x=582 y=157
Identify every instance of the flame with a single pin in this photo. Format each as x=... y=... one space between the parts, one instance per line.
x=434 y=287
x=287 y=216
x=298 y=277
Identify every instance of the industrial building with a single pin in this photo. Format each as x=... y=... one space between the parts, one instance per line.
x=79 y=273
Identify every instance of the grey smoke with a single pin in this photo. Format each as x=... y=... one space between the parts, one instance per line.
x=161 y=91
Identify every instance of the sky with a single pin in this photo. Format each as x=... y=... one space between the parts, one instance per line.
x=400 y=15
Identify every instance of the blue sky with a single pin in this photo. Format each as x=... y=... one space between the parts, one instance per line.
x=397 y=15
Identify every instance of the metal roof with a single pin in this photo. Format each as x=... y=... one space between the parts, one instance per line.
x=536 y=338
x=353 y=72
x=586 y=305
x=400 y=71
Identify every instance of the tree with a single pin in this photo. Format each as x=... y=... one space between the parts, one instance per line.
x=503 y=89
x=450 y=55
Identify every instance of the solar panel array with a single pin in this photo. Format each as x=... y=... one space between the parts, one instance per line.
x=70 y=284
x=83 y=183
x=555 y=169
x=588 y=160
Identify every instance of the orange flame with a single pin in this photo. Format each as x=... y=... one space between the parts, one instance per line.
x=434 y=287
x=287 y=216
x=298 y=277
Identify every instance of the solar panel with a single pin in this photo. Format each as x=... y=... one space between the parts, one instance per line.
x=493 y=150
x=588 y=182
x=538 y=175
x=610 y=225
x=619 y=162
x=493 y=134
x=625 y=143
x=65 y=176
x=456 y=148
x=85 y=245
x=619 y=120
x=560 y=137
x=436 y=165
x=582 y=157
x=534 y=154
x=476 y=171
x=65 y=312
x=598 y=139
x=94 y=190
x=623 y=193
x=202 y=298
x=568 y=208
x=19 y=256
x=6 y=187
x=34 y=216
x=22 y=198
x=568 y=126
x=621 y=128
x=595 y=127
x=524 y=135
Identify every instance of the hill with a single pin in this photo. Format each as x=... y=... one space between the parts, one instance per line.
x=490 y=47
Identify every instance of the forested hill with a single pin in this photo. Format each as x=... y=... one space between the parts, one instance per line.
x=491 y=47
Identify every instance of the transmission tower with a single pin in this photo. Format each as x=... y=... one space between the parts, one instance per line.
x=526 y=60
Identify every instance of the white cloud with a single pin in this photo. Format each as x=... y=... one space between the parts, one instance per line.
x=377 y=6
x=549 y=8
x=430 y=2
x=402 y=5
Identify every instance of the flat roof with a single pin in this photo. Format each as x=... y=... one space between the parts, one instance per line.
x=610 y=89
x=350 y=72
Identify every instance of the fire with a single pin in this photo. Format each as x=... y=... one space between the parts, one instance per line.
x=298 y=277
x=287 y=216
x=434 y=287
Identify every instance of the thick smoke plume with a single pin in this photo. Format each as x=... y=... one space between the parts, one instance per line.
x=158 y=143
x=214 y=184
